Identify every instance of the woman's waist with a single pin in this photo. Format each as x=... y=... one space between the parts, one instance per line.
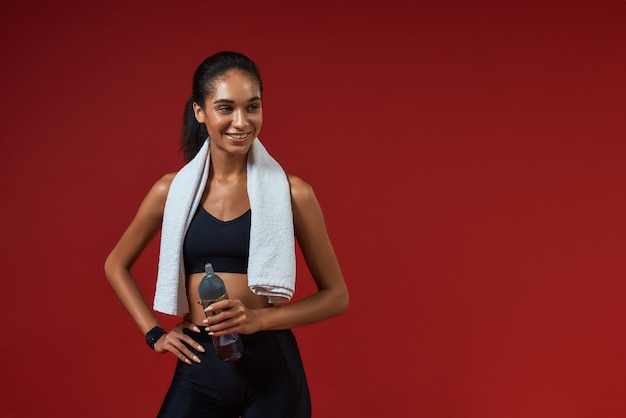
x=196 y=308
x=204 y=337
x=236 y=287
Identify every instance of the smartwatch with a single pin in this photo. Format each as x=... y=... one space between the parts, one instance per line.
x=153 y=336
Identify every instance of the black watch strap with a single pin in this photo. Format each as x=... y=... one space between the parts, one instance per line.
x=153 y=336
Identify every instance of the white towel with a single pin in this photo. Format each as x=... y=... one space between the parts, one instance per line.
x=271 y=263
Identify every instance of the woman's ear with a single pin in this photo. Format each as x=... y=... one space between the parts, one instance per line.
x=198 y=112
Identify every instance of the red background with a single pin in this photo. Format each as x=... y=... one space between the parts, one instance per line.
x=469 y=158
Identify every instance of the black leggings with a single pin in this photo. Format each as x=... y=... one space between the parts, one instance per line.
x=267 y=381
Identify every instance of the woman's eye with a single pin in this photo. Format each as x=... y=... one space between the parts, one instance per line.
x=254 y=107
x=223 y=109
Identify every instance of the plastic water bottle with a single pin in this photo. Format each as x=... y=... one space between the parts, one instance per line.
x=211 y=289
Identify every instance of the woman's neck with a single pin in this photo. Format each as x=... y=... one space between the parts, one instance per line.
x=227 y=167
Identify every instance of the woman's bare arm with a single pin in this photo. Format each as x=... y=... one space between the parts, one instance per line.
x=143 y=228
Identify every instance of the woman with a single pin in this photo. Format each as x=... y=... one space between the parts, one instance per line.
x=268 y=380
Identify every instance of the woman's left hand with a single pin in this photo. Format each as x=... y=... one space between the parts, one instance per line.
x=231 y=316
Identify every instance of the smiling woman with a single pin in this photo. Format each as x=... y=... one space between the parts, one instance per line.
x=225 y=190
x=233 y=116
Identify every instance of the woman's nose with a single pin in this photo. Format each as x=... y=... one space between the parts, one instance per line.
x=240 y=119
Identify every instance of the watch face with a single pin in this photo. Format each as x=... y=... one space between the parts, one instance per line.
x=153 y=336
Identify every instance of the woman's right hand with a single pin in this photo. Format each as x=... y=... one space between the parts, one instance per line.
x=178 y=343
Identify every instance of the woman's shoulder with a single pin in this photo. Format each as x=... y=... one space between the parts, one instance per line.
x=162 y=185
x=300 y=189
x=160 y=189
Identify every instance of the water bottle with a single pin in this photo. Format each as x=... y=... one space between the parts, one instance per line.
x=211 y=289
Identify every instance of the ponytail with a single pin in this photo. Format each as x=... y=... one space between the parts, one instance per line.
x=194 y=133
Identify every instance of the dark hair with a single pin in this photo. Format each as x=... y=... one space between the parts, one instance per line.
x=211 y=70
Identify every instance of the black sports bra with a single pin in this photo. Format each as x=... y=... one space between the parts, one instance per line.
x=225 y=244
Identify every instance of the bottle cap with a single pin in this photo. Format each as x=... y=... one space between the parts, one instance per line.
x=208 y=269
x=211 y=286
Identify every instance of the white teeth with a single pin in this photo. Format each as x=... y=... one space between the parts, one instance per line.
x=241 y=136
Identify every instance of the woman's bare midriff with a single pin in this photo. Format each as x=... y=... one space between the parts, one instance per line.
x=236 y=286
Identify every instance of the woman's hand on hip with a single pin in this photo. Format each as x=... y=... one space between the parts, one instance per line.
x=178 y=343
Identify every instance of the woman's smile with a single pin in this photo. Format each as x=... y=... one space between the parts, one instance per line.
x=238 y=137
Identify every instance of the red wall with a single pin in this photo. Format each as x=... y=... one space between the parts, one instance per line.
x=469 y=158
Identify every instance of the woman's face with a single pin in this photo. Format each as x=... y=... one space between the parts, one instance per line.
x=233 y=116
